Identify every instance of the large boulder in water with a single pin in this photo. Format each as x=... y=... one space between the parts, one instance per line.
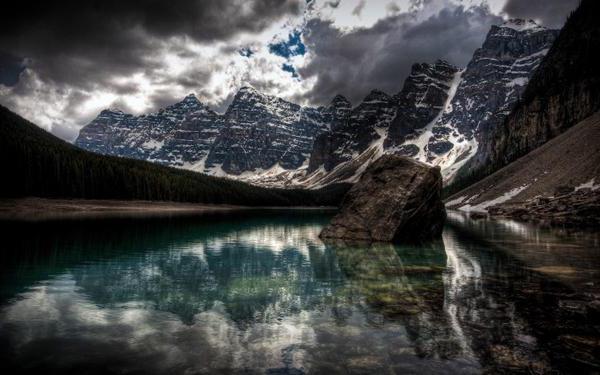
x=397 y=199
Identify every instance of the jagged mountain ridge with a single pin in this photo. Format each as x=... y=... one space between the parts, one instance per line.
x=179 y=134
x=440 y=116
x=256 y=132
x=443 y=113
x=261 y=131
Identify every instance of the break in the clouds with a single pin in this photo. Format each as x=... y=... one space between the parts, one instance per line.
x=62 y=62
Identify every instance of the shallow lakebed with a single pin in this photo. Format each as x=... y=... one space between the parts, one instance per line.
x=258 y=292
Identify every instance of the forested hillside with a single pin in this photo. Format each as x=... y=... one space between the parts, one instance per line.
x=36 y=163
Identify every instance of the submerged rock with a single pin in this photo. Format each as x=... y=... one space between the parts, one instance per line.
x=397 y=199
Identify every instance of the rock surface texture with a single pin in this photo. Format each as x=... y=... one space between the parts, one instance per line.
x=397 y=199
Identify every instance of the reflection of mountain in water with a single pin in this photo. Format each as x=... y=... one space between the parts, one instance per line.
x=260 y=291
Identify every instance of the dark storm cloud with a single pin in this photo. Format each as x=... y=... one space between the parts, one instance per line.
x=86 y=43
x=10 y=68
x=551 y=13
x=353 y=64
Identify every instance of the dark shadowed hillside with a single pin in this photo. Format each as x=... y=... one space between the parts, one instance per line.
x=36 y=163
x=563 y=91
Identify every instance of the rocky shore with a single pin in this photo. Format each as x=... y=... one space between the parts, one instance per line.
x=570 y=207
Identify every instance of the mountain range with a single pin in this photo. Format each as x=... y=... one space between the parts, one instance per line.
x=442 y=115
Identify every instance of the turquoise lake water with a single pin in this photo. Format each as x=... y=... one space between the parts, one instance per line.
x=258 y=292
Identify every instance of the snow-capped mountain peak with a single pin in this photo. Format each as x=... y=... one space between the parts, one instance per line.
x=522 y=25
x=340 y=101
x=376 y=95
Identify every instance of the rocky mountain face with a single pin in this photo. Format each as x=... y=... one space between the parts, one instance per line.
x=441 y=116
x=261 y=131
x=256 y=132
x=543 y=161
x=484 y=94
x=381 y=124
x=563 y=91
x=177 y=135
x=422 y=98
x=354 y=132
x=496 y=78
x=442 y=113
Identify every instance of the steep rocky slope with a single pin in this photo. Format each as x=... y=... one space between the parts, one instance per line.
x=181 y=133
x=442 y=113
x=381 y=124
x=563 y=172
x=261 y=131
x=256 y=132
x=552 y=177
x=564 y=90
x=423 y=96
x=492 y=83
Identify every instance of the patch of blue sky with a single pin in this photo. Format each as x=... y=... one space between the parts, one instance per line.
x=293 y=46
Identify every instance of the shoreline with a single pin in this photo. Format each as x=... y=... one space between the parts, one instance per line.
x=33 y=209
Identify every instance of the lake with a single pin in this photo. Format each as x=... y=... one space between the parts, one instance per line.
x=258 y=292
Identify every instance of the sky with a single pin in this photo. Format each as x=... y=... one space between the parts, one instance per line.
x=61 y=63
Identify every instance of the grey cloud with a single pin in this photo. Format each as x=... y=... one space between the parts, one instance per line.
x=163 y=98
x=85 y=44
x=392 y=8
x=82 y=46
x=551 y=13
x=359 y=8
x=352 y=64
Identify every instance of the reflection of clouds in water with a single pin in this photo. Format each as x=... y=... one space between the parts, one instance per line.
x=274 y=238
x=58 y=311
x=261 y=345
x=62 y=309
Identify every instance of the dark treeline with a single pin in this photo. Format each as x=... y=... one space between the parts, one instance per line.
x=36 y=163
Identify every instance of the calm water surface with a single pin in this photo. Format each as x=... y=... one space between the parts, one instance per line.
x=258 y=292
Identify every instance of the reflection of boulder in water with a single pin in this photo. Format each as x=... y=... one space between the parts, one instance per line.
x=405 y=285
x=395 y=280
